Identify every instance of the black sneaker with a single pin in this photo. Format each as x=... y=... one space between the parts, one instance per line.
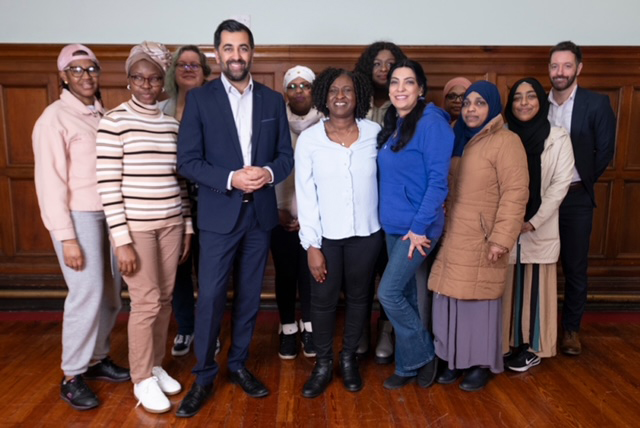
x=288 y=346
x=107 y=370
x=78 y=394
x=523 y=362
x=181 y=345
x=308 y=348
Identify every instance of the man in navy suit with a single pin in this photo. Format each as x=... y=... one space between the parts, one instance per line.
x=234 y=142
x=590 y=120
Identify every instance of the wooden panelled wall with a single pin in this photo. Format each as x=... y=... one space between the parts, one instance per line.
x=29 y=82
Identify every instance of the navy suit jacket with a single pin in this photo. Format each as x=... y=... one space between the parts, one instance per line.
x=593 y=136
x=209 y=149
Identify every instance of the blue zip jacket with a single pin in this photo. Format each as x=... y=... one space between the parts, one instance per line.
x=413 y=182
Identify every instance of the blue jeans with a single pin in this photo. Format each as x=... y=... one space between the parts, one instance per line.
x=398 y=295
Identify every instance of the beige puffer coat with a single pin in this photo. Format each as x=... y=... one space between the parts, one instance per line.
x=488 y=193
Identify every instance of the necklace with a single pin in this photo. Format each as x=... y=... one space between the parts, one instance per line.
x=334 y=133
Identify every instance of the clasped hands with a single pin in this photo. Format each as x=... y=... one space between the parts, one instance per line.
x=250 y=178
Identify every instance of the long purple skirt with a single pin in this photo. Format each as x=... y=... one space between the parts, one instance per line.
x=468 y=333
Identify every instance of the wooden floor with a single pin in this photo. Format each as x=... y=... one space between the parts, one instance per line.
x=598 y=389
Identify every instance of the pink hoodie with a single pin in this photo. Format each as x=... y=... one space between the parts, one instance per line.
x=64 y=147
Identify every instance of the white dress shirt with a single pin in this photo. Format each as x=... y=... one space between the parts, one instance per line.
x=560 y=115
x=336 y=186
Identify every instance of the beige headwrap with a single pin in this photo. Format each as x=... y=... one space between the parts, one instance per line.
x=154 y=52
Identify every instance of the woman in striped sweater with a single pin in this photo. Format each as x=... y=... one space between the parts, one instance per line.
x=148 y=214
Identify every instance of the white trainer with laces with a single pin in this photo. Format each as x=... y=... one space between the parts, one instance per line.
x=167 y=384
x=150 y=396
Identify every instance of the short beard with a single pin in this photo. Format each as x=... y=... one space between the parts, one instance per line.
x=569 y=83
x=232 y=78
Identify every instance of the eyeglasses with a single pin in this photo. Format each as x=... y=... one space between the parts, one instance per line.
x=454 y=97
x=77 y=71
x=188 y=67
x=302 y=86
x=140 y=80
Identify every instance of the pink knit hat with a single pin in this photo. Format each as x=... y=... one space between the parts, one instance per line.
x=67 y=55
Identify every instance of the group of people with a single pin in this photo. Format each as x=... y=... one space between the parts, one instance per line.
x=384 y=184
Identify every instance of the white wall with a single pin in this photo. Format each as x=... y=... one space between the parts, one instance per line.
x=340 y=22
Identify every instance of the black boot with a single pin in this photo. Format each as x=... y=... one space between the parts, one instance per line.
x=475 y=379
x=350 y=372
x=320 y=378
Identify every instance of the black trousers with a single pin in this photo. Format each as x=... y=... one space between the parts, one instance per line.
x=576 y=218
x=292 y=275
x=349 y=261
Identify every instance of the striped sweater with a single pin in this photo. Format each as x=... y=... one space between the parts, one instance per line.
x=136 y=169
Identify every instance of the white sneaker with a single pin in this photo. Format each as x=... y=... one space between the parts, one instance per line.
x=150 y=396
x=167 y=384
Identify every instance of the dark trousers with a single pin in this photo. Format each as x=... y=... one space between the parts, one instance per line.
x=350 y=262
x=378 y=270
x=248 y=246
x=292 y=275
x=576 y=218
x=183 y=301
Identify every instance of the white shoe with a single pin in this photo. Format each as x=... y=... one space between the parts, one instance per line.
x=167 y=384
x=150 y=396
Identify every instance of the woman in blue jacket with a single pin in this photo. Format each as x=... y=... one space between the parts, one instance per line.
x=413 y=163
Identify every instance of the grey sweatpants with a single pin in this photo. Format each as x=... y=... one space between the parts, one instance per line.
x=93 y=299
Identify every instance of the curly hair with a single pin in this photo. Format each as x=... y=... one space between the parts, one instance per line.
x=365 y=62
x=325 y=79
x=170 y=84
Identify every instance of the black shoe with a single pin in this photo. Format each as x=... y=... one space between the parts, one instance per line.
x=320 y=378
x=350 y=372
x=107 y=370
x=78 y=394
x=249 y=383
x=194 y=400
x=288 y=346
x=448 y=376
x=523 y=362
x=308 y=348
x=475 y=379
x=397 y=382
x=427 y=373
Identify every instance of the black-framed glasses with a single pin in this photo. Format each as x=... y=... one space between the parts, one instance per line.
x=77 y=71
x=302 y=86
x=454 y=97
x=153 y=80
x=194 y=66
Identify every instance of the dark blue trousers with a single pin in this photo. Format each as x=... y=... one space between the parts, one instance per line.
x=248 y=246
x=576 y=218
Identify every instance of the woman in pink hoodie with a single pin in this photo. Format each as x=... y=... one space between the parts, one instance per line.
x=64 y=146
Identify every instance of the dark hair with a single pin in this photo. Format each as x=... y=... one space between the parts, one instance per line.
x=170 y=84
x=365 y=62
x=232 y=26
x=410 y=122
x=567 y=46
x=323 y=82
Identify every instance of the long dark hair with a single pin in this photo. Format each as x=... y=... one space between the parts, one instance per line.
x=410 y=122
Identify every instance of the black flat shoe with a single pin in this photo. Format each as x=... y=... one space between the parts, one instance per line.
x=320 y=378
x=194 y=400
x=448 y=376
x=475 y=379
x=427 y=373
x=396 y=381
x=107 y=370
x=350 y=373
x=249 y=383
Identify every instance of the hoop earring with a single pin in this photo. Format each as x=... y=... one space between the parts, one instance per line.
x=66 y=83
x=162 y=89
x=129 y=87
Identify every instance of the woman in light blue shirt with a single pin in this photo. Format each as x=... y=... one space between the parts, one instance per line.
x=337 y=195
